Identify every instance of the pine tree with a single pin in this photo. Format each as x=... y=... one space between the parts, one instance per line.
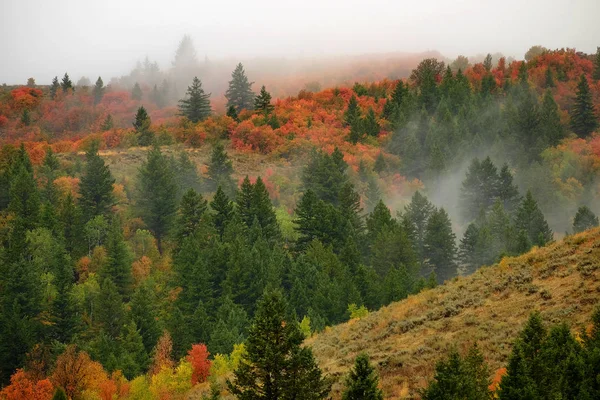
x=66 y=83
x=143 y=314
x=134 y=358
x=59 y=394
x=508 y=192
x=440 y=245
x=96 y=187
x=262 y=102
x=352 y=113
x=232 y=113
x=583 y=119
x=98 y=91
x=549 y=82
x=142 y=127
x=119 y=258
x=380 y=164
x=111 y=312
x=370 y=125
x=262 y=211
x=362 y=381
x=108 y=124
x=596 y=73
x=54 y=87
x=458 y=378
x=584 y=219
x=244 y=202
x=487 y=62
x=350 y=208
x=26 y=117
x=220 y=169
x=239 y=94
x=196 y=105
x=191 y=209
x=289 y=370
x=416 y=215
x=530 y=219
x=157 y=191
x=479 y=189
x=550 y=125
x=136 y=92
x=223 y=209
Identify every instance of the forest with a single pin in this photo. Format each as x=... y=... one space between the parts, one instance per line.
x=161 y=243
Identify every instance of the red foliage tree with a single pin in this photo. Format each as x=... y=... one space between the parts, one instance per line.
x=198 y=357
x=22 y=387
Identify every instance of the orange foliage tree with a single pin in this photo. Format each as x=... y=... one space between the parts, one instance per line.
x=75 y=371
x=198 y=357
x=162 y=354
x=22 y=387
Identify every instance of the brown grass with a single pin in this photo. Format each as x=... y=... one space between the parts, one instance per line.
x=406 y=339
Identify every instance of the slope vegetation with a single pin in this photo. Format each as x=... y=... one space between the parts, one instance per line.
x=406 y=339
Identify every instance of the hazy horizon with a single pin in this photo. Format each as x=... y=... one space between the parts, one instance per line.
x=108 y=38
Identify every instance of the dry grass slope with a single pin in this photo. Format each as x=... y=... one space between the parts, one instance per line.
x=407 y=338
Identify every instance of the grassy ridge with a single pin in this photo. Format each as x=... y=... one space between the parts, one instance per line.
x=407 y=338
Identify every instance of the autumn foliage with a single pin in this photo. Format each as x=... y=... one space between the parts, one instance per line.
x=198 y=357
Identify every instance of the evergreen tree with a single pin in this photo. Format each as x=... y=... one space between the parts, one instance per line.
x=276 y=366
x=119 y=258
x=108 y=123
x=223 y=209
x=136 y=92
x=479 y=189
x=508 y=193
x=262 y=102
x=191 y=209
x=239 y=94
x=550 y=124
x=98 y=91
x=157 y=191
x=66 y=83
x=26 y=117
x=584 y=219
x=96 y=187
x=59 y=394
x=380 y=164
x=596 y=73
x=54 y=87
x=487 y=62
x=196 y=105
x=458 y=378
x=186 y=174
x=352 y=113
x=143 y=314
x=530 y=219
x=583 y=119
x=142 y=127
x=549 y=82
x=134 y=358
x=362 y=381
x=220 y=169
x=111 y=312
x=232 y=113
x=325 y=175
x=416 y=215
x=370 y=125
x=440 y=245
x=262 y=211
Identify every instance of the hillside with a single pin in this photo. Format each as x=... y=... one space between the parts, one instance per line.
x=405 y=339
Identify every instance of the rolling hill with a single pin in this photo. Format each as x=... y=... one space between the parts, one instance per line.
x=407 y=338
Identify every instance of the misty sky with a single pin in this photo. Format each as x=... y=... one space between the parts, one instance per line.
x=44 y=38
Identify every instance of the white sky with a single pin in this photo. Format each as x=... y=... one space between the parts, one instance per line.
x=44 y=38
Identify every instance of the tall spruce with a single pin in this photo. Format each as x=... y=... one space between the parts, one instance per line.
x=119 y=258
x=136 y=92
x=239 y=94
x=157 y=191
x=223 y=210
x=262 y=102
x=196 y=105
x=529 y=218
x=220 y=169
x=98 y=91
x=96 y=187
x=276 y=365
x=362 y=381
x=54 y=87
x=440 y=246
x=142 y=127
x=550 y=126
x=584 y=219
x=416 y=215
x=66 y=83
x=584 y=121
